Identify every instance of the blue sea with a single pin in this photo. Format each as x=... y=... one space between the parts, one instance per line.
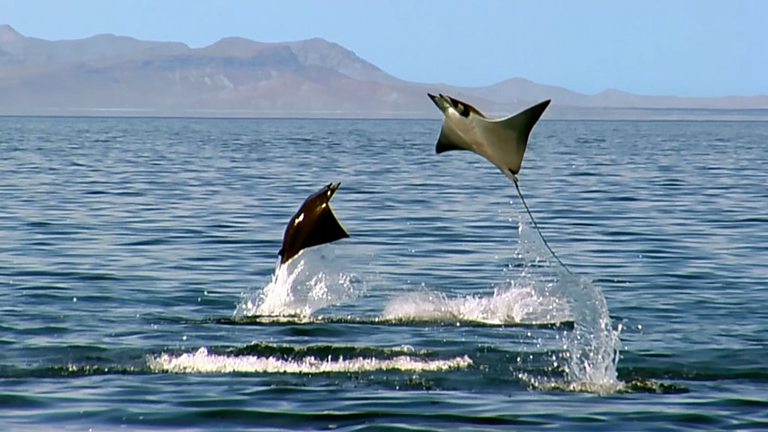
x=140 y=291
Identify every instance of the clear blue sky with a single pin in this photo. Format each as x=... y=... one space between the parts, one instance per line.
x=680 y=47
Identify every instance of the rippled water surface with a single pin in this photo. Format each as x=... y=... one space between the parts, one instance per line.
x=140 y=288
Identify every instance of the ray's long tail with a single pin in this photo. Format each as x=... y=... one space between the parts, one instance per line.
x=535 y=225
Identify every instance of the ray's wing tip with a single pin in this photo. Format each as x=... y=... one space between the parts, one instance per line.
x=543 y=104
x=536 y=111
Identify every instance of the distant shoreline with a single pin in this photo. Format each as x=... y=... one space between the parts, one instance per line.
x=558 y=114
x=119 y=76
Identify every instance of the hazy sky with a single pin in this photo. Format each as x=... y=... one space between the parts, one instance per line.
x=681 y=47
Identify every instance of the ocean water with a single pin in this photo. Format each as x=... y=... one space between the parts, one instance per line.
x=139 y=287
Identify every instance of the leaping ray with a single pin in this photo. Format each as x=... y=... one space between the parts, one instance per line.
x=312 y=225
x=501 y=141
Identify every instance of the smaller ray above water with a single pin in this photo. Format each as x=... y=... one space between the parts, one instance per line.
x=313 y=224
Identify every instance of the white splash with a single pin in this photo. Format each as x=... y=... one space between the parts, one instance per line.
x=202 y=361
x=300 y=287
x=591 y=350
x=508 y=305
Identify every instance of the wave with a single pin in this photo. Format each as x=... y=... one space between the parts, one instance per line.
x=447 y=319
x=538 y=366
x=201 y=361
x=531 y=368
x=632 y=386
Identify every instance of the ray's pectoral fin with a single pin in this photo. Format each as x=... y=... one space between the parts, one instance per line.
x=522 y=123
x=455 y=134
x=507 y=139
x=446 y=143
x=327 y=229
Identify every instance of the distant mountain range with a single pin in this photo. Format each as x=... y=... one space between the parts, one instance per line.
x=236 y=77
